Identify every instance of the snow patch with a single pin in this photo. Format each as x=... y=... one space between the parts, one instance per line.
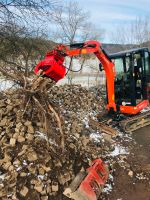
x=41 y=177
x=86 y=122
x=18 y=169
x=4 y=85
x=96 y=137
x=44 y=136
x=108 y=188
x=25 y=162
x=119 y=150
x=2 y=177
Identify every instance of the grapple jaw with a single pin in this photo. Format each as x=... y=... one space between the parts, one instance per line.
x=88 y=184
x=52 y=66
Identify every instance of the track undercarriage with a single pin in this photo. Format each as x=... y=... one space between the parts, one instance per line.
x=133 y=123
x=125 y=122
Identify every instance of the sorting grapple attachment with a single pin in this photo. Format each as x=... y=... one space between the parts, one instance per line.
x=88 y=184
x=52 y=66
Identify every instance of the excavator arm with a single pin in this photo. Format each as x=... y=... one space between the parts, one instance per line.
x=52 y=66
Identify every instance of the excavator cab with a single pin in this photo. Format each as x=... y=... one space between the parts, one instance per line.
x=132 y=80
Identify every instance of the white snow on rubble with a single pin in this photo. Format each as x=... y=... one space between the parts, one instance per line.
x=119 y=150
x=4 y=85
x=109 y=186
x=96 y=137
x=2 y=176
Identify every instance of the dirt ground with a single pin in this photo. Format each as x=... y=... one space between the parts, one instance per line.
x=133 y=181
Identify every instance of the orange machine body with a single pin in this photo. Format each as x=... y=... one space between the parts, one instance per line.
x=53 y=68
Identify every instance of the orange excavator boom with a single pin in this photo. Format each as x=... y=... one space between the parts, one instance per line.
x=53 y=67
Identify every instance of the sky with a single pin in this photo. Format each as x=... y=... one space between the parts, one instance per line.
x=110 y=13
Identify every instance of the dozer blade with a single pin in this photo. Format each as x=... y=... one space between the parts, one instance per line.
x=136 y=122
x=88 y=184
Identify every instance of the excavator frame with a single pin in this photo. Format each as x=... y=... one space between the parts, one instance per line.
x=53 y=68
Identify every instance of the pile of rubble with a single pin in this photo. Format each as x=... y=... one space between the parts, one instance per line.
x=32 y=163
x=76 y=98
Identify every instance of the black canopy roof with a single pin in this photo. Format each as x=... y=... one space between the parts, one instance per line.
x=127 y=52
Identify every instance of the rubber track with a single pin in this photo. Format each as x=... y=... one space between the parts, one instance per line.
x=136 y=122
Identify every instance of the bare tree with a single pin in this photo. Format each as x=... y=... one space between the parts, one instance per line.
x=20 y=49
x=21 y=41
x=90 y=32
x=21 y=9
x=69 y=20
x=135 y=33
x=72 y=24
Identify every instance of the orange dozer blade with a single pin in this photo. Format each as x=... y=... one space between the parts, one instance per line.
x=88 y=184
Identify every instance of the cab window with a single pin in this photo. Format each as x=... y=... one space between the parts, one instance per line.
x=147 y=64
x=128 y=64
x=119 y=67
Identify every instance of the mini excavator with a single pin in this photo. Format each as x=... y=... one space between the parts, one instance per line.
x=127 y=79
x=128 y=95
